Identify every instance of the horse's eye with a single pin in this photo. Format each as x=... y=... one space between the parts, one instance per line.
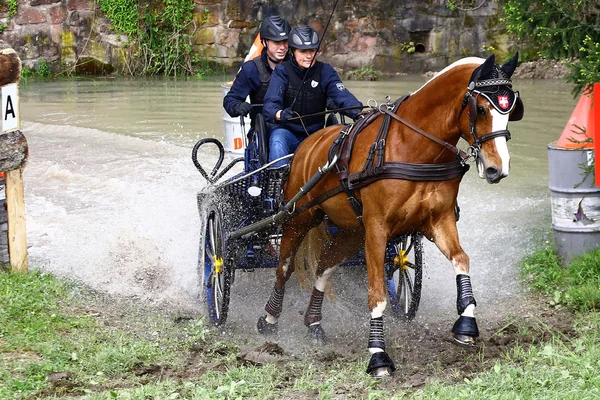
x=480 y=110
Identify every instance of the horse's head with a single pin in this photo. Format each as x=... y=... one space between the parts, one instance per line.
x=490 y=103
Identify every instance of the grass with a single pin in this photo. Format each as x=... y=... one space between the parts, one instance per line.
x=55 y=343
x=577 y=286
x=60 y=340
x=561 y=368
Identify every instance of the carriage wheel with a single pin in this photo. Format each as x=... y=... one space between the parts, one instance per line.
x=215 y=267
x=405 y=276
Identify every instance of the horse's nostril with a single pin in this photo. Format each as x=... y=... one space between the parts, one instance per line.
x=492 y=173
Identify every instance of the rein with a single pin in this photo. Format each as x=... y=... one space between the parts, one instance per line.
x=328 y=112
x=460 y=153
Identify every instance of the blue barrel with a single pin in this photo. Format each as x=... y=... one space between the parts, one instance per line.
x=575 y=202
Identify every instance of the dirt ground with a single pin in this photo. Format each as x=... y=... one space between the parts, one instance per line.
x=422 y=349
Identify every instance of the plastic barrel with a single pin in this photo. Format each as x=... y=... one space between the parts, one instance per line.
x=575 y=202
x=234 y=140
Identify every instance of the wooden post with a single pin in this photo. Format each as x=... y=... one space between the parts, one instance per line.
x=15 y=205
x=13 y=155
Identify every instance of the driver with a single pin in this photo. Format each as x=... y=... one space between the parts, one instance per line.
x=254 y=76
x=299 y=87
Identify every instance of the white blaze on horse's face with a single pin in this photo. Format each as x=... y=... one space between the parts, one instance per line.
x=499 y=123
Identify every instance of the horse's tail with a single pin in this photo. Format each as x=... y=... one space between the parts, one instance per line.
x=307 y=257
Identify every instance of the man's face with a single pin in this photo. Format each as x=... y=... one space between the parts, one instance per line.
x=277 y=50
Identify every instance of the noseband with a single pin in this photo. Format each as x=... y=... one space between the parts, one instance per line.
x=470 y=102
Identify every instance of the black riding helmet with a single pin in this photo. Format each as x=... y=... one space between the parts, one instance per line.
x=274 y=28
x=304 y=38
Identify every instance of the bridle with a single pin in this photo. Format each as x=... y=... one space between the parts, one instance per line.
x=469 y=102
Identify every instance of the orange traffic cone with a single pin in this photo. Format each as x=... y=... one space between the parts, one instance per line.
x=255 y=50
x=579 y=131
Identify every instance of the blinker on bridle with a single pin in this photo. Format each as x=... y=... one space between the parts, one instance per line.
x=470 y=103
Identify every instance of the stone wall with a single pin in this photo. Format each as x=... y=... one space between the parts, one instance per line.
x=389 y=35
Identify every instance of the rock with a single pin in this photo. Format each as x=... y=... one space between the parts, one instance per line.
x=542 y=69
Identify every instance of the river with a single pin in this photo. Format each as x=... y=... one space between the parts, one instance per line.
x=110 y=194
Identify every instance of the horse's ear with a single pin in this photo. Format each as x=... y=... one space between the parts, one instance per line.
x=484 y=70
x=510 y=66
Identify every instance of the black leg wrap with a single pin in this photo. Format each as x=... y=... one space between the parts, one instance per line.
x=464 y=293
x=465 y=330
x=265 y=328
x=316 y=333
x=376 y=334
x=313 y=314
x=275 y=303
x=380 y=360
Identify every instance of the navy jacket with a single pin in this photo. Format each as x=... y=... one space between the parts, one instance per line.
x=331 y=84
x=247 y=81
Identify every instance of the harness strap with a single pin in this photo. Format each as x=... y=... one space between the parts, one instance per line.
x=460 y=153
x=410 y=172
x=495 y=134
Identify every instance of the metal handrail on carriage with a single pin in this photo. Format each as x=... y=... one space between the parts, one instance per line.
x=217 y=261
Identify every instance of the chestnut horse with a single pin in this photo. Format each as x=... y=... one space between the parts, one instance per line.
x=473 y=99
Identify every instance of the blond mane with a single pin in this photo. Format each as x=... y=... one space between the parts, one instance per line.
x=462 y=61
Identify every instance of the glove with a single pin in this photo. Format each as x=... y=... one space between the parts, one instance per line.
x=242 y=109
x=286 y=114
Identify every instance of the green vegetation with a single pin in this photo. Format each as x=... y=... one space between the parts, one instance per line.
x=41 y=69
x=561 y=368
x=577 y=287
x=365 y=73
x=58 y=340
x=560 y=30
x=160 y=37
x=12 y=11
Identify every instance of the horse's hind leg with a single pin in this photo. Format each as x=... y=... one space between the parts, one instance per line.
x=293 y=234
x=446 y=238
x=335 y=252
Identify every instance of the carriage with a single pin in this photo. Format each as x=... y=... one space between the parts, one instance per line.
x=239 y=232
x=375 y=188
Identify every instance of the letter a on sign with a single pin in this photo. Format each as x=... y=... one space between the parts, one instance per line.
x=10 y=108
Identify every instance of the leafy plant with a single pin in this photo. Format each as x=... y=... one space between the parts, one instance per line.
x=560 y=29
x=575 y=286
x=365 y=73
x=41 y=69
x=160 y=35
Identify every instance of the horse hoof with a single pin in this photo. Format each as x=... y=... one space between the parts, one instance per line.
x=466 y=326
x=465 y=340
x=316 y=333
x=265 y=328
x=380 y=365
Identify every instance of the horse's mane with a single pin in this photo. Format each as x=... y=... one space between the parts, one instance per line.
x=462 y=61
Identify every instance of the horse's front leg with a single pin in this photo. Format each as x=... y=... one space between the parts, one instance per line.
x=380 y=364
x=445 y=236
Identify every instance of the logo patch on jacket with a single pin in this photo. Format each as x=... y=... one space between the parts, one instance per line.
x=340 y=86
x=314 y=84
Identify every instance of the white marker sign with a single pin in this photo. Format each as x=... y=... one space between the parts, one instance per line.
x=10 y=108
